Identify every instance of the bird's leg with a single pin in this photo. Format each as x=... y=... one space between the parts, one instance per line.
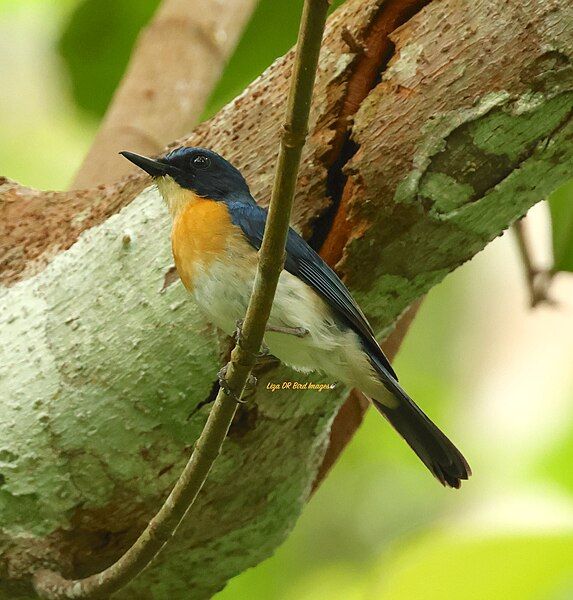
x=249 y=385
x=252 y=381
x=296 y=331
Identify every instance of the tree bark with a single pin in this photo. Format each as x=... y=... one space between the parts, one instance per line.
x=466 y=125
x=164 y=525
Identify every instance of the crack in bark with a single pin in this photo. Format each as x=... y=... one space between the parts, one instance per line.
x=336 y=228
x=368 y=68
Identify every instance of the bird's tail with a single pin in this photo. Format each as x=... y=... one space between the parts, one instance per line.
x=433 y=448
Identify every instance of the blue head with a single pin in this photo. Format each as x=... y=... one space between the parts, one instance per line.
x=202 y=171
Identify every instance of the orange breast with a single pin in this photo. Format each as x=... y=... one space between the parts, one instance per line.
x=200 y=234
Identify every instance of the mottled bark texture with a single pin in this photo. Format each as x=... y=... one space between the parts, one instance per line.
x=466 y=127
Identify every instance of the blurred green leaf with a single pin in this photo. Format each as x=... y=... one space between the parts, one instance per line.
x=96 y=44
x=338 y=581
x=13 y=6
x=561 y=207
x=555 y=464
x=520 y=567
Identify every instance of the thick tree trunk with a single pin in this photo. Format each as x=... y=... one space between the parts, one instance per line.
x=404 y=178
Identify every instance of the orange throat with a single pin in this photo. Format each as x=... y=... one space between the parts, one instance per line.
x=201 y=232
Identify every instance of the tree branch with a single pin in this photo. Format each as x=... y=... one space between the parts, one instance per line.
x=177 y=60
x=538 y=280
x=53 y=586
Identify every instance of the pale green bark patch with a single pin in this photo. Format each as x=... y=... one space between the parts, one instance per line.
x=513 y=130
x=479 y=154
x=444 y=192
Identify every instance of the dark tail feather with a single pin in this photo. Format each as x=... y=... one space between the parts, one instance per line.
x=434 y=449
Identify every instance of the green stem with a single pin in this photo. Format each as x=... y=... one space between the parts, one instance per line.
x=51 y=585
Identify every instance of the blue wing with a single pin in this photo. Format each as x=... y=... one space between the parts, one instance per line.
x=303 y=262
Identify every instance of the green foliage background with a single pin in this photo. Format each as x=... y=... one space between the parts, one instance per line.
x=495 y=376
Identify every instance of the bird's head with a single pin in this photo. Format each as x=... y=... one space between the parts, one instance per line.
x=187 y=173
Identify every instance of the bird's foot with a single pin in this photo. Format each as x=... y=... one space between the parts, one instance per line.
x=264 y=351
x=249 y=385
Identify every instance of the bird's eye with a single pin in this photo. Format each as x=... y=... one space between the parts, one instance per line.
x=201 y=161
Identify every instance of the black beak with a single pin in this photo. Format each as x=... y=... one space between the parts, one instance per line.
x=156 y=168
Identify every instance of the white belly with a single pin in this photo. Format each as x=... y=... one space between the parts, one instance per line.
x=223 y=293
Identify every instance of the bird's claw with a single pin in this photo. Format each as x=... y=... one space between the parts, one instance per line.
x=238 y=335
x=224 y=384
x=251 y=383
x=238 y=330
x=265 y=351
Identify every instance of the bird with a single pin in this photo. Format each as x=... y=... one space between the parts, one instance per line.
x=314 y=325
